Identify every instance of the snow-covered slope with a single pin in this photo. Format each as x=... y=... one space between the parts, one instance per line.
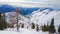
x=12 y=16
x=57 y=19
x=43 y=17
x=38 y=17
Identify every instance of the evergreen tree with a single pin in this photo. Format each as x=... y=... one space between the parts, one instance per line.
x=51 y=27
x=52 y=22
x=33 y=26
x=22 y=26
x=44 y=28
x=47 y=27
x=37 y=28
x=3 y=24
x=59 y=29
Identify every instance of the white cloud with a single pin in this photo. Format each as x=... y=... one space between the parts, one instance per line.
x=31 y=3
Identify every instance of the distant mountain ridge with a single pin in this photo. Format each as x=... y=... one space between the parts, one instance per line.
x=23 y=11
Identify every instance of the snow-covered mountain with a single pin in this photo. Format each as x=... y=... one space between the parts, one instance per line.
x=11 y=17
x=38 y=17
x=43 y=17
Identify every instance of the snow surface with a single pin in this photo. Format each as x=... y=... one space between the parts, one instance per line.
x=23 y=31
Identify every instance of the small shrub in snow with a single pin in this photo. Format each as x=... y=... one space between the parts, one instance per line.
x=59 y=29
x=22 y=25
x=37 y=28
x=33 y=26
x=45 y=28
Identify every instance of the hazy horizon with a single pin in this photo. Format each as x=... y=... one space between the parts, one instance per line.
x=32 y=3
